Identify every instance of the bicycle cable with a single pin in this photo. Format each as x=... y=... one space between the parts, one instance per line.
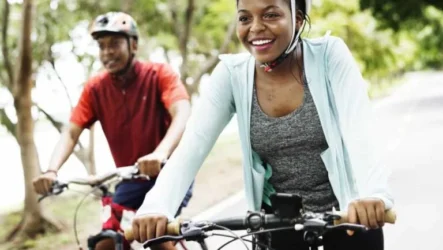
x=75 y=215
x=255 y=233
x=231 y=232
x=77 y=209
x=77 y=191
x=250 y=241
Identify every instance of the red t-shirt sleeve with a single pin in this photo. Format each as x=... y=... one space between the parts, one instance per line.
x=171 y=87
x=83 y=113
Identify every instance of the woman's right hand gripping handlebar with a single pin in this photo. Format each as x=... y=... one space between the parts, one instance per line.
x=43 y=183
x=149 y=226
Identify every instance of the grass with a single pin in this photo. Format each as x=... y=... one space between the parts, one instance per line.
x=62 y=207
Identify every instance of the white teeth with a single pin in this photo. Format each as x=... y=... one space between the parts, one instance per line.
x=261 y=42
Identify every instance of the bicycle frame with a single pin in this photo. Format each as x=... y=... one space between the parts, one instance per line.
x=107 y=233
x=126 y=173
x=92 y=241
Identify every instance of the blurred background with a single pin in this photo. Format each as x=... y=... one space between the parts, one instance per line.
x=47 y=55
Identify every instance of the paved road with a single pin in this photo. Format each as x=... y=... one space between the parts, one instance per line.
x=410 y=125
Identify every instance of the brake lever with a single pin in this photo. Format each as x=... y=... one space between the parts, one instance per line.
x=348 y=226
x=162 y=239
x=56 y=189
x=190 y=234
x=43 y=197
x=141 y=176
x=136 y=174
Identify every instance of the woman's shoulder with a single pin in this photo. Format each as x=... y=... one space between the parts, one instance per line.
x=327 y=41
x=235 y=60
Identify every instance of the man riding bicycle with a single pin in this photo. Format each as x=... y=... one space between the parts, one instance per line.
x=143 y=108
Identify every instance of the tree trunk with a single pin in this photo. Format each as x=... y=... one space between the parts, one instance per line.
x=33 y=220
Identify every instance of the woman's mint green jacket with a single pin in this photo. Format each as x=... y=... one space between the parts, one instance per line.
x=340 y=95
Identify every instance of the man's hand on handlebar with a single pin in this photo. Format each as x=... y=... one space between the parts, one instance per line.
x=146 y=227
x=151 y=164
x=43 y=183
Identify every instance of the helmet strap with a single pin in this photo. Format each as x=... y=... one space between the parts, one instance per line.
x=292 y=45
x=123 y=71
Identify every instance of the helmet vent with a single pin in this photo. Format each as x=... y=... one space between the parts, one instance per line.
x=104 y=21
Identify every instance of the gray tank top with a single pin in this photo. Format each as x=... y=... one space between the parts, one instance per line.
x=292 y=144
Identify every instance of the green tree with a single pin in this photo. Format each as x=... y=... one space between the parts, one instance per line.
x=49 y=31
x=379 y=52
x=196 y=31
x=396 y=13
x=205 y=29
x=19 y=79
x=420 y=19
x=34 y=220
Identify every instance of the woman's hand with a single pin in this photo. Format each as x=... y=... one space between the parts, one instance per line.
x=147 y=227
x=369 y=212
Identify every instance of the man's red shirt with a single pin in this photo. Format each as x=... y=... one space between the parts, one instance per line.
x=135 y=117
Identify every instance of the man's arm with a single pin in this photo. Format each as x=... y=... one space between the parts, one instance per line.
x=151 y=164
x=176 y=100
x=82 y=117
x=180 y=112
x=65 y=146
x=61 y=153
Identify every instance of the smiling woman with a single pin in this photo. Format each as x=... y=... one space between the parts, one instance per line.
x=304 y=119
x=278 y=20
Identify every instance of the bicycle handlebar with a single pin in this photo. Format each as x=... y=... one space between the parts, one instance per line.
x=308 y=221
x=390 y=217
x=126 y=173
x=129 y=172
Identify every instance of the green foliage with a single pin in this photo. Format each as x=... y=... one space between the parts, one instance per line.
x=420 y=20
x=208 y=28
x=396 y=13
x=430 y=39
x=379 y=45
x=380 y=53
